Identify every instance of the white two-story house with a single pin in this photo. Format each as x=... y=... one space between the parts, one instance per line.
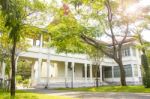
x=78 y=70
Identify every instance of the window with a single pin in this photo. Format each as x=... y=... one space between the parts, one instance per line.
x=126 y=52
x=88 y=71
x=128 y=70
x=69 y=66
x=116 y=71
x=108 y=72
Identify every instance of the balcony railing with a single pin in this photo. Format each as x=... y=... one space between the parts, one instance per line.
x=53 y=51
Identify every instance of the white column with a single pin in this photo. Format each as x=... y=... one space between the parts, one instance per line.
x=91 y=76
x=66 y=73
x=66 y=70
x=32 y=73
x=40 y=59
x=48 y=69
x=101 y=74
x=85 y=71
x=72 y=74
x=3 y=70
x=39 y=69
x=131 y=51
x=112 y=73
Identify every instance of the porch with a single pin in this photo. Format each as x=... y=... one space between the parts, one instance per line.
x=72 y=74
x=65 y=74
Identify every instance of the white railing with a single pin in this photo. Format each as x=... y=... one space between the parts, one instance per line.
x=53 y=51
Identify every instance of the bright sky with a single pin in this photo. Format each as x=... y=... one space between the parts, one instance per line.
x=133 y=9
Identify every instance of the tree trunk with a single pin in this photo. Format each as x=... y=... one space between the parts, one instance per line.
x=122 y=74
x=13 y=68
x=116 y=54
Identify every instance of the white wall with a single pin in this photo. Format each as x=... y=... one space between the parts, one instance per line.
x=78 y=70
x=44 y=69
x=61 y=69
x=57 y=69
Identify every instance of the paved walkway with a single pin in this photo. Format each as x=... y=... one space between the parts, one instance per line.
x=93 y=95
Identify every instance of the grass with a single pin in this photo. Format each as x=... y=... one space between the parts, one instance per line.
x=29 y=95
x=133 y=89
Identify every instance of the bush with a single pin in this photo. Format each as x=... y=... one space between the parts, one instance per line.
x=146 y=72
x=146 y=80
x=25 y=82
x=19 y=78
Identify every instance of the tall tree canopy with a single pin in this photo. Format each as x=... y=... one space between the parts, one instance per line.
x=86 y=21
x=14 y=14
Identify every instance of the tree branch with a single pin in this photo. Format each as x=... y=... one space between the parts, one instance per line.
x=125 y=36
x=110 y=15
x=99 y=45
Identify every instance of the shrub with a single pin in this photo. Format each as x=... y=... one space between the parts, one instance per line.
x=19 y=78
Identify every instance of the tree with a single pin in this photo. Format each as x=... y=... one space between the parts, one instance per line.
x=145 y=64
x=15 y=14
x=5 y=49
x=143 y=18
x=97 y=57
x=74 y=26
x=143 y=47
x=118 y=38
x=24 y=69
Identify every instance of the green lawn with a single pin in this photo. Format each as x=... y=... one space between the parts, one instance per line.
x=29 y=95
x=138 y=89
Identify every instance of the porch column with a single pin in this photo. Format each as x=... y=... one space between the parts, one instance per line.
x=131 y=51
x=91 y=76
x=3 y=70
x=40 y=59
x=66 y=72
x=101 y=74
x=112 y=73
x=48 y=66
x=72 y=83
x=39 y=69
x=32 y=73
x=85 y=71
